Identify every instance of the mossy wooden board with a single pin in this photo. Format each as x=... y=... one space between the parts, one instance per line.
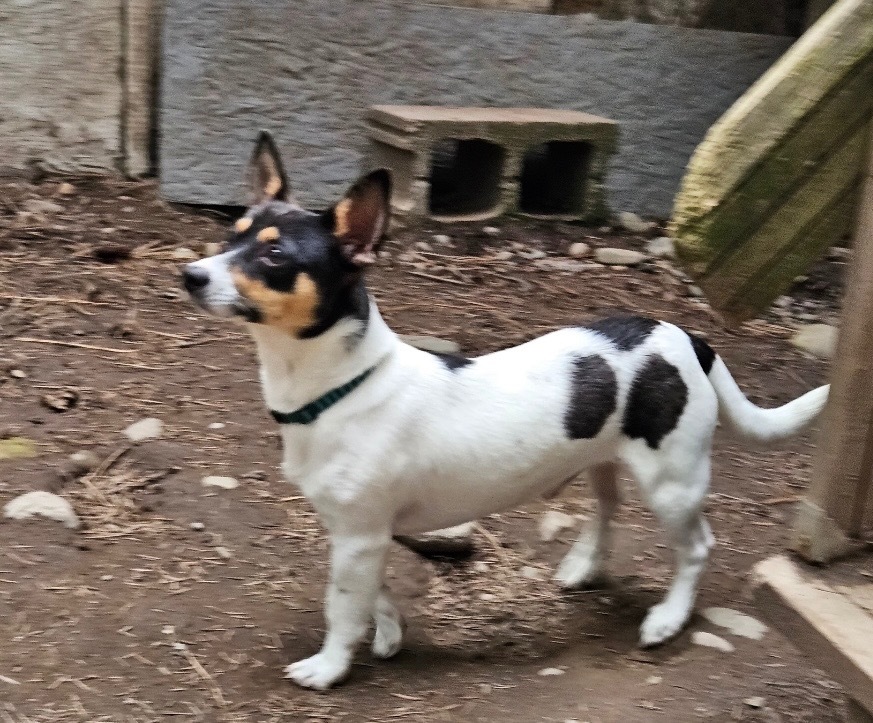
x=757 y=204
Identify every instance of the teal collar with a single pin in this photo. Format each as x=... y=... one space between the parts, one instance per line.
x=313 y=410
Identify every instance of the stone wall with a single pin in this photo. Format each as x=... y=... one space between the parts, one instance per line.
x=308 y=71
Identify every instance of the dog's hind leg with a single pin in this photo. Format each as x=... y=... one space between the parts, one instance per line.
x=584 y=563
x=389 y=627
x=357 y=567
x=676 y=496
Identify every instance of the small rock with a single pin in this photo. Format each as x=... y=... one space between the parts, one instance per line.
x=481 y=566
x=148 y=428
x=226 y=483
x=490 y=230
x=223 y=552
x=454 y=541
x=817 y=339
x=566 y=265
x=168 y=630
x=578 y=250
x=553 y=522
x=217 y=425
x=197 y=526
x=107 y=578
x=423 y=246
x=653 y=680
x=736 y=622
x=618 y=257
x=532 y=573
x=633 y=223
x=442 y=239
x=212 y=248
x=40 y=205
x=783 y=302
x=66 y=189
x=755 y=702
x=661 y=247
x=695 y=292
x=17 y=374
x=533 y=254
x=44 y=504
x=545 y=672
x=503 y=255
x=62 y=401
x=431 y=344
x=708 y=640
x=185 y=254
x=82 y=462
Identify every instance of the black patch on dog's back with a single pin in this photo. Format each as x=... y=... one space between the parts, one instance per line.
x=593 y=392
x=703 y=351
x=626 y=332
x=453 y=362
x=656 y=400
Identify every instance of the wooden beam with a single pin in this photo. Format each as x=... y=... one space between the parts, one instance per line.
x=141 y=21
x=837 y=507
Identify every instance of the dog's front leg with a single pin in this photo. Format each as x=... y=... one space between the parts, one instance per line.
x=357 y=566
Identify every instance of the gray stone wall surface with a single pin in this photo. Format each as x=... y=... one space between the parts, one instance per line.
x=308 y=70
x=60 y=92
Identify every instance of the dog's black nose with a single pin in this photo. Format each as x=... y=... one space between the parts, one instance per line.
x=194 y=277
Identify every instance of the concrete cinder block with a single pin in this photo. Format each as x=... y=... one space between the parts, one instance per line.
x=453 y=163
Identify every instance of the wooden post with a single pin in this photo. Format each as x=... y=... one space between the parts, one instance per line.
x=141 y=21
x=839 y=504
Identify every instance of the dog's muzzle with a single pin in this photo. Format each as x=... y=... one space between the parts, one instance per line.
x=210 y=284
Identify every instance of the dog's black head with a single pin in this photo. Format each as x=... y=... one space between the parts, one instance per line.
x=289 y=268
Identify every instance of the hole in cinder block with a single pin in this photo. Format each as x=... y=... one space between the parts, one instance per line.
x=553 y=178
x=465 y=177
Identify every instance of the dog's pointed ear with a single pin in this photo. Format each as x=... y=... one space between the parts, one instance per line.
x=266 y=176
x=360 y=220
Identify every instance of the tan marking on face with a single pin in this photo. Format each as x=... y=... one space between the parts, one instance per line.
x=341 y=215
x=273 y=185
x=243 y=224
x=271 y=233
x=292 y=311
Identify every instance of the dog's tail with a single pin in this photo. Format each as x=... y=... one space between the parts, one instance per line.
x=749 y=419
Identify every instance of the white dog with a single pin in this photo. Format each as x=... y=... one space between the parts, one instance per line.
x=387 y=440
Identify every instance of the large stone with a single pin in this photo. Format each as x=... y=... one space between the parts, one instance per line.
x=225 y=483
x=631 y=222
x=817 y=339
x=42 y=504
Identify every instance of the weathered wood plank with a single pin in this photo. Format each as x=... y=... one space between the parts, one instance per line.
x=829 y=229
x=823 y=623
x=835 y=178
x=776 y=162
x=839 y=497
x=789 y=165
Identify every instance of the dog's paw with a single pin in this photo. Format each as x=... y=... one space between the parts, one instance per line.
x=661 y=624
x=388 y=638
x=319 y=672
x=577 y=571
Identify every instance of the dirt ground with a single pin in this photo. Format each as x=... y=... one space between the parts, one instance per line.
x=183 y=602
